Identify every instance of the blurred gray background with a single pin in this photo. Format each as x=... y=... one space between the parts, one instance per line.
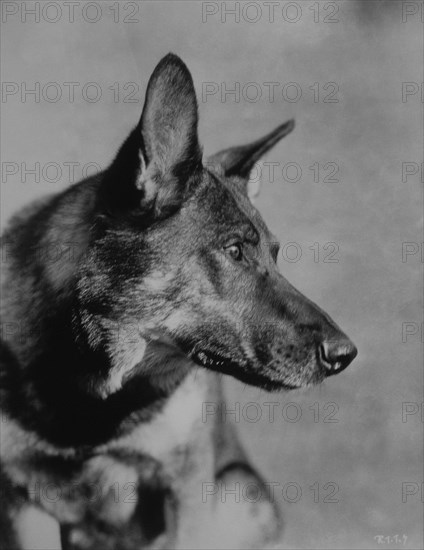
x=367 y=49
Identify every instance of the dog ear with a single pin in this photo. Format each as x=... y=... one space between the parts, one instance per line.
x=239 y=161
x=151 y=170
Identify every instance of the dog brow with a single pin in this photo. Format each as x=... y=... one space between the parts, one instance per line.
x=274 y=248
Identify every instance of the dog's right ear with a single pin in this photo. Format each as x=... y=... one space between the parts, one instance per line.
x=152 y=168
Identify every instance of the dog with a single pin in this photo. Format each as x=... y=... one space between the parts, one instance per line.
x=110 y=350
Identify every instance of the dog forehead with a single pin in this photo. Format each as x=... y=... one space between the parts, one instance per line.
x=226 y=202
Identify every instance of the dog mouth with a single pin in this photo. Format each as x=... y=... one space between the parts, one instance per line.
x=241 y=368
x=213 y=360
x=226 y=365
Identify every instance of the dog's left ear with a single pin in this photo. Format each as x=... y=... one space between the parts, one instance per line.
x=152 y=169
x=239 y=161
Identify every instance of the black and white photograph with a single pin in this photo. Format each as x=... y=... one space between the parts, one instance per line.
x=212 y=254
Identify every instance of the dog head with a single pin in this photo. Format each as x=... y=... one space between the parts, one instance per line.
x=183 y=265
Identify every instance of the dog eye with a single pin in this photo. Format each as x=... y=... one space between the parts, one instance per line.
x=235 y=251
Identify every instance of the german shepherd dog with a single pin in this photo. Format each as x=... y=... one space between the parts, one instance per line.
x=110 y=351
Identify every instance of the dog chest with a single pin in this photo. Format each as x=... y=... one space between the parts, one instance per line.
x=175 y=427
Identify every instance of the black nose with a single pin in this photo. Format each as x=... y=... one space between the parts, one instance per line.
x=337 y=355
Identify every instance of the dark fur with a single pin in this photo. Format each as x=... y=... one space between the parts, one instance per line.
x=102 y=346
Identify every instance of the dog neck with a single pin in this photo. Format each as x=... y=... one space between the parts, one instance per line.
x=45 y=398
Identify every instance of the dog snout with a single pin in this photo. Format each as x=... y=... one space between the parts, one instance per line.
x=336 y=355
